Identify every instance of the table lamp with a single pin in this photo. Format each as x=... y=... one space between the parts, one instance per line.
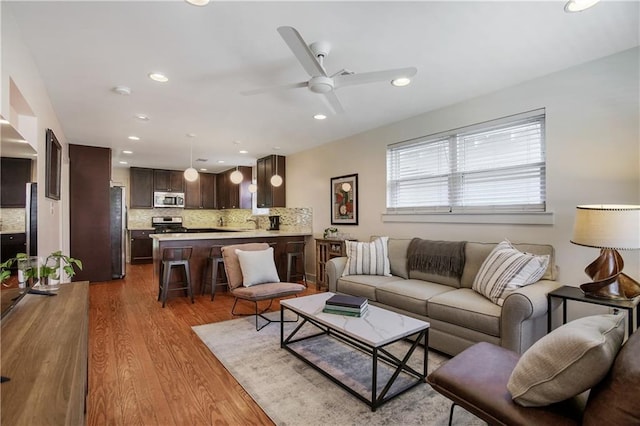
x=609 y=228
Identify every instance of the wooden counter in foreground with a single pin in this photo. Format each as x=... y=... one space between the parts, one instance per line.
x=201 y=243
x=44 y=353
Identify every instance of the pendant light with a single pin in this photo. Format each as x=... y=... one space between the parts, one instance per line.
x=191 y=174
x=276 y=180
x=236 y=176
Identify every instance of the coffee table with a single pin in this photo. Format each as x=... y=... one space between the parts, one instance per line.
x=371 y=334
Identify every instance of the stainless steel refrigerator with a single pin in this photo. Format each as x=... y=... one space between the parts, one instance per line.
x=118 y=219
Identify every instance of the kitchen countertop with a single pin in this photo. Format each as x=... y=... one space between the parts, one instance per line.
x=227 y=235
x=12 y=231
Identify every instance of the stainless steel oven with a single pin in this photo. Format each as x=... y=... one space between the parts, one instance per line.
x=168 y=199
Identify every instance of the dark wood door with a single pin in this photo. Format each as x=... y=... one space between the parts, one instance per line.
x=222 y=191
x=192 y=196
x=89 y=211
x=141 y=186
x=14 y=175
x=208 y=190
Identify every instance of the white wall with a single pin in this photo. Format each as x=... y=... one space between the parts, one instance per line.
x=18 y=65
x=593 y=156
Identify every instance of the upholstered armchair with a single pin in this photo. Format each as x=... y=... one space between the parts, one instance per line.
x=252 y=276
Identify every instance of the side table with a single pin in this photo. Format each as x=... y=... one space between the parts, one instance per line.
x=565 y=293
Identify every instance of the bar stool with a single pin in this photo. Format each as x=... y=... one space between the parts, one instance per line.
x=295 y=250
x=214 y=261
x=175 y=257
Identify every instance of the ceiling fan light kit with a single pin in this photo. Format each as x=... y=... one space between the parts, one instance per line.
x=312 y=56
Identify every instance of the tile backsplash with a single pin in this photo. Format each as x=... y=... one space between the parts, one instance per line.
x=291 y=219
x=12 y=220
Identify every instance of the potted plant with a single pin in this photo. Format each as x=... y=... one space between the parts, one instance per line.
x=50 y=268
x=49 y=271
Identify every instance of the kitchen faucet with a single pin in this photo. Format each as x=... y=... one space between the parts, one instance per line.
x=254 y=221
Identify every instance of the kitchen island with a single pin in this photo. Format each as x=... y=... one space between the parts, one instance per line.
x=202 y=242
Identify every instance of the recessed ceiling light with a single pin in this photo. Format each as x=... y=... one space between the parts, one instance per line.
x=198 y=2
x=220 y=161
x=276 y=148
x=134 y=138
x=127 y=152
x=203 y=170
x=122 y=90
x=142 y=117
x=243 y=151
x=320 y=116
x=123 y=162
x=400 y=82
x=191 y=135
x=579 y=5
x=156 y=76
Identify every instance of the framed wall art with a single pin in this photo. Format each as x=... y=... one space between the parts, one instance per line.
x=53 y=166
x=344 y=200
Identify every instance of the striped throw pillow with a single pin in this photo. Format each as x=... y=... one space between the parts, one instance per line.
x=506 y=269
x=368 y=258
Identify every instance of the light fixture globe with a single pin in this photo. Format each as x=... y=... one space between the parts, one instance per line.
x=236 y=176
x=191 y=174
x=253 y=188
x=276 y=180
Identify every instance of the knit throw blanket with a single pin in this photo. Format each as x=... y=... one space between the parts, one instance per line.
x=436 y=257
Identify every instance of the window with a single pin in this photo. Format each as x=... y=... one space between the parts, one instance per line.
x=492 y=167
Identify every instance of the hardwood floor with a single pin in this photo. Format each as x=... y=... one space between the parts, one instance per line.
x=147 y=366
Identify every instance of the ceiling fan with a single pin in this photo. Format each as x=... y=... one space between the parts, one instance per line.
x=312 y=57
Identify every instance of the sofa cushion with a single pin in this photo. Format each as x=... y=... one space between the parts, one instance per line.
x=506 y=269
x=568 y=361
x=367 y=258
x=409 y=295
x=466 y=308
x=398 y=256
x=363 y=285
x=476 y=253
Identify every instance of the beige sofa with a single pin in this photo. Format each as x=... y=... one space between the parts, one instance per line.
x=459 y=316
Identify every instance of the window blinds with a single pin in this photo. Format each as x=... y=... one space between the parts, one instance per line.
x=497 y=166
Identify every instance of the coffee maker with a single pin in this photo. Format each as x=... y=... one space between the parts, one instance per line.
x=274 y=223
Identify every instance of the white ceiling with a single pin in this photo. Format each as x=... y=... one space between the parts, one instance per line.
x=461 y=49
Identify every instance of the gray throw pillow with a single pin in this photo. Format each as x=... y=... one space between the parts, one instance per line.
x=568 y=361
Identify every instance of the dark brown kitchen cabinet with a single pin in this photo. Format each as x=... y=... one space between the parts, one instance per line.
x=267 y=194
x=11 y=245
x=14 y=175
x=89 y=211
x=141 y=247
x=208 y=190
x=168 y=180
x=232 y=195
x=200 y=194
x=141 y=186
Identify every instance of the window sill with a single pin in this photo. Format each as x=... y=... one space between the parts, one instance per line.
x=525 y=218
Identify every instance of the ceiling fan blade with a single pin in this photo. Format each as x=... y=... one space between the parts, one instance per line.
x=274 y=88
x=331 y=100
x=300 y=49
x=372 y=77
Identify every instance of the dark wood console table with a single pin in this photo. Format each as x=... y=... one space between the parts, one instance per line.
x=44 y=354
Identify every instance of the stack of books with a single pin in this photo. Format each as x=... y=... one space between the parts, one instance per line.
x=342 y=304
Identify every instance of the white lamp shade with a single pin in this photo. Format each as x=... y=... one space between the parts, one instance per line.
x=607 y=226
x=253 y=188
x=191 y=174
x=236 y=176
x=276 y=180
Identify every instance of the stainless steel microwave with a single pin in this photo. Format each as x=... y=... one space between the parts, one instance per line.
x=168 y=199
